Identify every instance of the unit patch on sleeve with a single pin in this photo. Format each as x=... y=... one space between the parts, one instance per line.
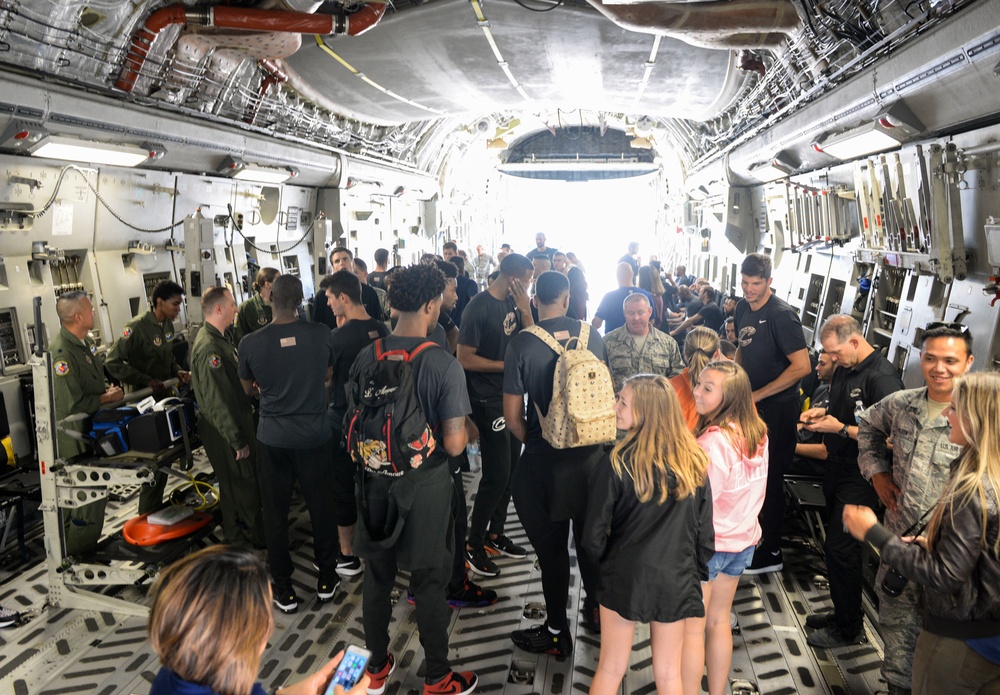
x=214 y=361
x=61 y=367
x=261 y=320
x=126 y=332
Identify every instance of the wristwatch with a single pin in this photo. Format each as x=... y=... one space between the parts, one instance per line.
x=844 y=432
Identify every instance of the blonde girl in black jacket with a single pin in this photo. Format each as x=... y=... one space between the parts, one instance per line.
x=958 y=650
x=649 y=526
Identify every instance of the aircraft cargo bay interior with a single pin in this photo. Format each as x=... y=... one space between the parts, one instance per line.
x=178 y=180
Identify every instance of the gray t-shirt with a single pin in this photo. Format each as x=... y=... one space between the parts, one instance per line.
x=437 y=376
x=289 y=362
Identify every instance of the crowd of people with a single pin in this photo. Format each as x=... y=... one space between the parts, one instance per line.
x=665 y=519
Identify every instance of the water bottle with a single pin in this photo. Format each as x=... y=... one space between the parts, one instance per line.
x=475 y=457
x=859 y=408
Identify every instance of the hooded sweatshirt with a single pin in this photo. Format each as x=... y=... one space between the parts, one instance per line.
x=738 y=485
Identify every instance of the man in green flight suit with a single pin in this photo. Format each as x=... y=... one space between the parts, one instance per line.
x=226 y=424
x=143 y=357
x=78 y=387
x=255 y=313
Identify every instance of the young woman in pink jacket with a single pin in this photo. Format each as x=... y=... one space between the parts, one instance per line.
x=735 y=439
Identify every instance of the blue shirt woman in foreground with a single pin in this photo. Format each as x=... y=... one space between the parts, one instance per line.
x=210 y=622
x=958 y=560
x=649 y=524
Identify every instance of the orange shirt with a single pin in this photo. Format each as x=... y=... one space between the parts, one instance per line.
x=682 y=386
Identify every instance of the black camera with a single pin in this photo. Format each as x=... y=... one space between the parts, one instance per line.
x=893 y=583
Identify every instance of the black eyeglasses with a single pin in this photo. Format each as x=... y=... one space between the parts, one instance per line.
x=954 y=326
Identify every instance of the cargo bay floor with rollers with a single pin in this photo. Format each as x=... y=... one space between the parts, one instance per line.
x=54 y=650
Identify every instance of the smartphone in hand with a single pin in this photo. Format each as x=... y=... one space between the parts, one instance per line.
x=350 y=669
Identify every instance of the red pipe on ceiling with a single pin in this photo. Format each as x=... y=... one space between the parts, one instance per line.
x=244 y=19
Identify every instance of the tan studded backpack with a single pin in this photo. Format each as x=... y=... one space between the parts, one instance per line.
x=582 y=410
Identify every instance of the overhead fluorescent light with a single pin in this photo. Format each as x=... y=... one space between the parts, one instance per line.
x=245 y=171
x=773 y=170
x=88 y=151
x=889 y=129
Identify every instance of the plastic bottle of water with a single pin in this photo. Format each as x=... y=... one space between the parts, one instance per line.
x=475 y=457
x=859 y=408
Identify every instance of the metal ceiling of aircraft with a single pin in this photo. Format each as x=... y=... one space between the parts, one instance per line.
x=438 y=56
x=401 y=86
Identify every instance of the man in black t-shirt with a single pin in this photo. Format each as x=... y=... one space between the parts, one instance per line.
x=288 y=362
x=632 y=258
x=376 y=278
x=357 y=331
x=550 y=485
x=405 y=520
x=540 y=248
x=708 y=315
x=491 y=320
x=342 y=258
x=772 y=350
x=862 y=378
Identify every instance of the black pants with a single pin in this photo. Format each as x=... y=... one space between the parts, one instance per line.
x=844 y=484
x=780 y=418
x=417 y=545
x=550 y=495
x=344 y=470
x=461 y=513
x=280 y=468
x=500 y=452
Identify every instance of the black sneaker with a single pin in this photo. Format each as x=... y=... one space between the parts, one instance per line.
x=479 y=563
x=540 y=640
x=285 y=599
x=765 y=563
x=831 y=638
x=818 y=621
x=501 y=545
x=9 y=617
x=454 y=683
x=472 y=596
x=326 y=590
x=348 y=565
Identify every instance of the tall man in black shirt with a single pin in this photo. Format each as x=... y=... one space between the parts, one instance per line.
x=491 y=320
x=772 y=350
x=550 y=485
x=358 y=331
x=862 y=378
x=342 y=258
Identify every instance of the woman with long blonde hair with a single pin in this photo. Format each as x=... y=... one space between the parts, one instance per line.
x=701 y=346
x=649 y=527
x=210 y=622
x=958 y=560
x=735 y=439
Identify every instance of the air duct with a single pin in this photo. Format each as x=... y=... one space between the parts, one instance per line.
x=720 y=24
x=244 y=19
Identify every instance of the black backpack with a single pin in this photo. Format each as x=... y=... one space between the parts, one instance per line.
x=387 y=431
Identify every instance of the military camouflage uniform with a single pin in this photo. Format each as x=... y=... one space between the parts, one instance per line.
x=225 y=426
x=482 y=266
x=659 y=355
x=145 y=352
x=77 y=385
x=253 y=315
x=920 y=464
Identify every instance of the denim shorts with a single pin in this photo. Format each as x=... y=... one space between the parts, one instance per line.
x=730 y=564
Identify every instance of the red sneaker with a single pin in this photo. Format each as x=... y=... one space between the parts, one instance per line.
x=378 y=678
x=453 y=684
